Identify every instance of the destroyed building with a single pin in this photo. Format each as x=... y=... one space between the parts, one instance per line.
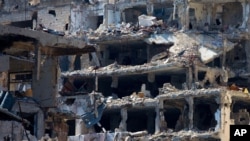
x=123 y=70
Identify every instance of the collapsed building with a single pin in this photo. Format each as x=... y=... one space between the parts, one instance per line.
x=123 y=70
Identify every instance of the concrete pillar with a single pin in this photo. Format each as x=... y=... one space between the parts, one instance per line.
x=247 y=50
x=247 y=47
x=187 y=17
x=245 y=13
x=190 y=101
x=84 y=61
x=225 y=107
x=114 y=83
x=150 y=9
x=223 y=64
x=80 y=127
x=196 y=73
x=95 y=59
x=189 y=77
x=151 y=77
x=40 y=124
x=123 y=123
x=157 y=117
x=72 y=62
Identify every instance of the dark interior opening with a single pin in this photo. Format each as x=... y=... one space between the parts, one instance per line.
x=66 y=26
x=171 y=116
x=163 y=10
x=204 y=113
x=175 y=118
x=141 y=120
x=23 y=24
x=99 y=21
x=71 y=125
x=240 y=104
x=128 y=84
x=31 y=118
x=128 y=54
x=110 y=120
x=52 y=12
x=131 y=14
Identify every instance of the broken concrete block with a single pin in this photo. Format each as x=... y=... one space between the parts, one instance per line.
x=145 y=20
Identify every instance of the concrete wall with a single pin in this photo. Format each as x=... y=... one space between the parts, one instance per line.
x=58 y=18
x=11 y=128
x=232 y=14
x=45 y=82
x=84 y=17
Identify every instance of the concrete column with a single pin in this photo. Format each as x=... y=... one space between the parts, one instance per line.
x=38 y=61
x=245 y=13
x=80 y=127
x=151 y=77
x=157 y=117
x=150 y=9
x=225 y=107
x=189 y=77
x=95 y=59
x=40 y=124
x=187 y=17
x=196 y=73
x=247 y=47
x=84 y=61
x=247 y=50
x=114 y=83
x=123 y=123
x=190 y=101
x=71 y=65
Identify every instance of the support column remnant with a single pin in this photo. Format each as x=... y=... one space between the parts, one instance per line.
x=157 y=117
x=123 y=124
x=225 y=106
x=40 y=124
x=190 y=101
x=80 y=127
x=150 y=9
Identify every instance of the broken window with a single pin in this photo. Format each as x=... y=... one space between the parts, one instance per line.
x=52 y=12
x=141 y=120
x=71 y=125
x=66 y=26
x=132 y=14
x=110 y=120
x=176 y=114
x=240 y=111
x=163 y=11
x=204 y=113
x=23 y=24
x=232 y=14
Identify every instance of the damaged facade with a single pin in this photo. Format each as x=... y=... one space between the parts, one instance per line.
x=123 y=70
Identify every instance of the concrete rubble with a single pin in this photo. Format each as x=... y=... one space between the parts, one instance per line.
x=123 y=70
